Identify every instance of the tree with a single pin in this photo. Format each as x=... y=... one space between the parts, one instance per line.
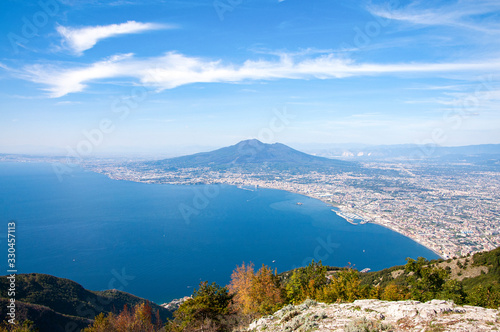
x=344 y=286
x=256 y=294
x=266 y=291
x=425 y=281
x=139 y=319
x=206 y=310
x=453 y=290
x=26 y=326
x=485 y=296
x=241 y=288
x=393 y=292
x=306 y=282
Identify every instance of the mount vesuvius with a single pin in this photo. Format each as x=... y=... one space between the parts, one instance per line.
x=251 y=155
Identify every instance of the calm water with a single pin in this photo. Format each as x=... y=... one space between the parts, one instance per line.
x=105 y=234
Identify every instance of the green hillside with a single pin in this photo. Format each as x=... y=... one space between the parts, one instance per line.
x=43 y=298
x=477 y=278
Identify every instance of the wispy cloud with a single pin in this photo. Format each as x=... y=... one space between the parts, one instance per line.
x=82 y=39
x=173 y=69
x=468 y=14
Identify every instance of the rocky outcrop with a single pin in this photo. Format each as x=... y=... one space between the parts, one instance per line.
x=175 y=304
x=377 y=315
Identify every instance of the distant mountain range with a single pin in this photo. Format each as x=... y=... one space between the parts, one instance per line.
x=253 y=154
x=405 y=151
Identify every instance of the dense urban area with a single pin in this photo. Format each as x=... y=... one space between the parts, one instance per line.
x=452 y=209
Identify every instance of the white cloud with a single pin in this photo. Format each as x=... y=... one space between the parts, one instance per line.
x=173 y=69
x=461 y=13
x=81 y=39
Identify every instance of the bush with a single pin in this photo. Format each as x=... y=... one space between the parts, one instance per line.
x=256 y=294
x=139 y=319
x=26 y=326
x=206 y=310
x=344 y=286
x=365 y=325
x=306 y=283
x=485 y=296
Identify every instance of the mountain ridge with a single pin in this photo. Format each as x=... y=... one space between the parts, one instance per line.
x=64 y=302
x=251 y=154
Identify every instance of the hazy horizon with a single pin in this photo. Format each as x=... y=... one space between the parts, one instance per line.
x=176 y=150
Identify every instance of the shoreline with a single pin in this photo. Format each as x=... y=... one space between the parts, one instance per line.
x=369 y=222
x=260 y=186
x=373 y=221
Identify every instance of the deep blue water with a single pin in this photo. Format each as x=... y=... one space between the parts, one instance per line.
x=104 y=233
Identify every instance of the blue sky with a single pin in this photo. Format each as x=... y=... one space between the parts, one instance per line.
x=130 y=75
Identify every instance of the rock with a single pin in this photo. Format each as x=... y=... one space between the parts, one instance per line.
x=175 y=304
x=376 y=315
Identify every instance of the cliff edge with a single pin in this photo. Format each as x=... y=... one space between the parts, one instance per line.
x=377 y=315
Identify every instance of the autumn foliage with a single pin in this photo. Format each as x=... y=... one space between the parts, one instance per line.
x=138 y=319
x=252 y=294
x=256 y=293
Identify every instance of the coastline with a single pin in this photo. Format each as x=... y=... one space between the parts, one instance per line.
x=260 y=185
x=409 y=237
x=240 y=186
x=373 y=221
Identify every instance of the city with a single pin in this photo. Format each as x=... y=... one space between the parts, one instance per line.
x=451 y=209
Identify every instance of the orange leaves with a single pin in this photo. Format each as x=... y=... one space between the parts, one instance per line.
x=255 y=293
x=138 y=319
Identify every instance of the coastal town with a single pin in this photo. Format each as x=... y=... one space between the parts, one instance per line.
x=451 y=209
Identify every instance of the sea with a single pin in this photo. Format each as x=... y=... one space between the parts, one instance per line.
x=159 y=241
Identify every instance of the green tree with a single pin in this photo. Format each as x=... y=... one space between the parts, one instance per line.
x=484 y=296
x=344 y=286
x=453 y=290
x=426 y=281
x=206 y=310
x=306 y=282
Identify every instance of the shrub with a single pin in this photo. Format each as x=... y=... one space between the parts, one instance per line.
x=365 y=325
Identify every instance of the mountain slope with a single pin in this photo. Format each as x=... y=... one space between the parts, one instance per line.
x=252 y=153
x=482 y=268
x=66 y=301
x=45 y=318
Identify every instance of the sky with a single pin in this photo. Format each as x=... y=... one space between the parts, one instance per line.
x=91 y=76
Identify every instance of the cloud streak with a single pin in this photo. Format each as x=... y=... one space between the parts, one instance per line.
x=172 y=70
x=468 y=14
x=79 y=40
